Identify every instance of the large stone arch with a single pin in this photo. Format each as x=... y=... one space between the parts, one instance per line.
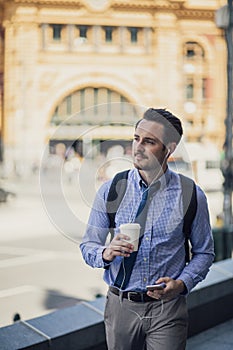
x=94 y=105
x=127 y=88
x=123 y=86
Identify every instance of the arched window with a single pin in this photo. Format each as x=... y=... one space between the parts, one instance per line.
x=193 y=50
x=197 y=84
x=94 y=106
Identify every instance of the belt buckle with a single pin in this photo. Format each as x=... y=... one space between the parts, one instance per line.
x=129 y=295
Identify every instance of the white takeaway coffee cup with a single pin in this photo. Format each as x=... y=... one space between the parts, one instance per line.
x=133 y=231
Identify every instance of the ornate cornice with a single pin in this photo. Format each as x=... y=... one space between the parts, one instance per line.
x=176 y=6
x=192 y=14
x=145 y=4
x=50 y=2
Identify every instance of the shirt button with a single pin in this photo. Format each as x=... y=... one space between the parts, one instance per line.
x=147 y=238
x=144 y=279
x=145 y=259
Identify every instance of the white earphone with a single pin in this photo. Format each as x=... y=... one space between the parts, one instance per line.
x=168 y=153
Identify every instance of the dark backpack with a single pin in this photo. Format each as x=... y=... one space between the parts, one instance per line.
x=189 y=195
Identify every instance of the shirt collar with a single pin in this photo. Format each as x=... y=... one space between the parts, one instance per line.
x=163 y=180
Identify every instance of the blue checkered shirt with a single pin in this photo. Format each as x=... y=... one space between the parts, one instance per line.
x=162 y=251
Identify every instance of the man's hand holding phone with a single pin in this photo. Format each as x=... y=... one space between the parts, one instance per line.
x=157 y=286
x=165 y=288
x=156 y=290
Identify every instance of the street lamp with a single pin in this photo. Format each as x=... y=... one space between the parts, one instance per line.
x=224 y=20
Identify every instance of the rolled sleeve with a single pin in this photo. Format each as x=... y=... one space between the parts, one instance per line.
x=202 y=245
x=94 y=240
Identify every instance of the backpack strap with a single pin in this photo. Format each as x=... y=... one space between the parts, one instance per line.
x=189 y=196
x=115 y=196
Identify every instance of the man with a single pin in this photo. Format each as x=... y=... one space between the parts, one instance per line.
x=136 y=318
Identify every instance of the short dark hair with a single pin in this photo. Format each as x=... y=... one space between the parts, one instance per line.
x=173 y=130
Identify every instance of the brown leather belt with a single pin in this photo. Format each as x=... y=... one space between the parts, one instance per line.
x=137 y=297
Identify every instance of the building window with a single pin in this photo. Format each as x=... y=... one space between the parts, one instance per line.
x=82 y=100
x=189 y=89
x=108 y=34
x=56 y=28
x=69 y=105
x=133 y=34
x=190 y=53
x=83 y=31
x=206 y=88
x=193 y=50
x=96 y=100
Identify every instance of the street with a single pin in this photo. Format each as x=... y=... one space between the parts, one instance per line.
x=41 y=269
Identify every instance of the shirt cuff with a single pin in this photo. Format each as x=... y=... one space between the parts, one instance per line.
x=188 y=282
x=105 y=263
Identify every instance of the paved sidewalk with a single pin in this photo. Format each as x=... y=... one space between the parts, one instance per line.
x=216 y=338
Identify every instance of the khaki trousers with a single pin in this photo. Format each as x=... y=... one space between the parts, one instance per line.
x=152 y=325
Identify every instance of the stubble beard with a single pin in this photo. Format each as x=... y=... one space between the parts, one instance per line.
x=155 y=168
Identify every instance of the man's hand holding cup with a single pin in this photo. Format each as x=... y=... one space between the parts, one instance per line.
x=124 y=243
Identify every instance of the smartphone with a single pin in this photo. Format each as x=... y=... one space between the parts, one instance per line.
x=158 y=286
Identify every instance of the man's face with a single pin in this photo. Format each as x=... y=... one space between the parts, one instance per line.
x=149 y=153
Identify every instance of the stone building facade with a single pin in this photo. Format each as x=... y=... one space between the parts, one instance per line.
x=83 y=70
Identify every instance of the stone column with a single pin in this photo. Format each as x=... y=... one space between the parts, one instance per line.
x=22 y=42
x=166 y=57
x=96 y=38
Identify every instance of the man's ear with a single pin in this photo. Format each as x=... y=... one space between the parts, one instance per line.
x=171 y=146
